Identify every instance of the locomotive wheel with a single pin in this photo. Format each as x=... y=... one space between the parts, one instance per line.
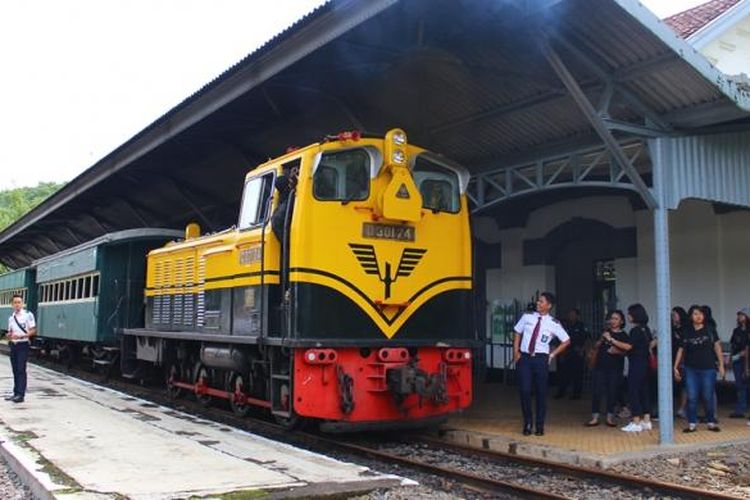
x=173 y=374
x=202 y=375
x=236 y=383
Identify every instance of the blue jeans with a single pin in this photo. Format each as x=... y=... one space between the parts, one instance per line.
x=19 y=353
x=740 y=383
x=700 y=384
x=533 y=371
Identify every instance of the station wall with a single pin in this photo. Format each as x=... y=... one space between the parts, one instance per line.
x=709 y=253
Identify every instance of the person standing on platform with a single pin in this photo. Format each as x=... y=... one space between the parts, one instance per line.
x=638 y=350
x=679 y=323
x=607 y=368
x=531 y=354
x=571 y=363
x=21 y=327
x=739 y=352
x=701 y=350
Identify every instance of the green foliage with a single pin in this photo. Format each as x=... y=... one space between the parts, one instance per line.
x=14 y=203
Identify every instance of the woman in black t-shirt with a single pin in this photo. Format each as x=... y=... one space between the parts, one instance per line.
x=638 y=350
x=701 y=349
x=608 y=368
x=679 y=323
x=739 y=351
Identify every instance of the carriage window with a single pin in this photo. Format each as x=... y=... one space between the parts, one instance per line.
x=255 y=201
x=95 y=286
x=438 y=185
x=343 y=176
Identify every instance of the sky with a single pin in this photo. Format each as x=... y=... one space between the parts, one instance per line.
x=80 y=77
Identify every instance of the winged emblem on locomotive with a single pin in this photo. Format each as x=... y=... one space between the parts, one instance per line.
x=368 y=259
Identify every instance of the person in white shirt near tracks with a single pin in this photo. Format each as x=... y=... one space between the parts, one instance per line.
x=21 y=328
x=531 y=353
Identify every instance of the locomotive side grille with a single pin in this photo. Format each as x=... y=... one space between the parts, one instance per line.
x=178 y=309
x=158 y=285
x=188 y=307
x=156 y=313
x=166 y=303
x=201 y=301
x=179 y=282
x=166 y=317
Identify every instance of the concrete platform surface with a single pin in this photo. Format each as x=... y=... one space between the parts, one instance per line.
x=81 y=441
x=494 y=421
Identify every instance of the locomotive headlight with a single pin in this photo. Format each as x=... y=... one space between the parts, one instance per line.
x=399 y=138
x=399 y=157
x=395 y=147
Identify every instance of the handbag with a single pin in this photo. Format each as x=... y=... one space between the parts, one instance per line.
x=653 y=361
x=591 y=357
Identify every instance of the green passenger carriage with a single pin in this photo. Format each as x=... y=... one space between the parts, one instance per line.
x=20 y=281
x=88 y=292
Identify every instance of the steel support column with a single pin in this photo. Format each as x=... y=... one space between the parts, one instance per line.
x=663 y=293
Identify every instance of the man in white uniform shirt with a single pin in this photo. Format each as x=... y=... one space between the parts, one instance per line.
x=531 y=353
x=21 y=327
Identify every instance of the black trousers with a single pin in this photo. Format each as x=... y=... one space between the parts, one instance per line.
x=638 y=398
x=533 y=372
x=606 y=383
x=571 y=373
x=19 y=354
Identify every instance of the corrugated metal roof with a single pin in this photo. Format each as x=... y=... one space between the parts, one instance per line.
x=466 y=78
x=711 y=167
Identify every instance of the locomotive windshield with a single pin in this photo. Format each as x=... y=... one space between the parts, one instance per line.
x=343 y=176
x=438 y=185
x=255 y=201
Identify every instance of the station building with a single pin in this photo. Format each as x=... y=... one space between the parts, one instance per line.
x=609 y=158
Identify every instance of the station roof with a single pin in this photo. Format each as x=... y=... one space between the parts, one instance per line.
x=464 y=78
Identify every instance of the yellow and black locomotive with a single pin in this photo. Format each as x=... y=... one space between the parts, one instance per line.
x=343 y=294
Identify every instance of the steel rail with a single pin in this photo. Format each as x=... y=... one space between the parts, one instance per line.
x=623 y=479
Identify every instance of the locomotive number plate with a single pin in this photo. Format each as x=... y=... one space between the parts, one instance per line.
x=388 y=232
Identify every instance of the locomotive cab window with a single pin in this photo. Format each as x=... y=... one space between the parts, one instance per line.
x=439 y=186
x=255 y=201
x=343 y=176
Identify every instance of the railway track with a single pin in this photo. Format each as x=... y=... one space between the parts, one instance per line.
x=481 y=484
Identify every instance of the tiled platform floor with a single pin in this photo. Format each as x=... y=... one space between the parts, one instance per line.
x=496 y=415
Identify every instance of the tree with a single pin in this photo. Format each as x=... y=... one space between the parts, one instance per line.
x=14 y=203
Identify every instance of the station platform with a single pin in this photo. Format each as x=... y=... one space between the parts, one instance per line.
x=494 y=421
x=73 y=440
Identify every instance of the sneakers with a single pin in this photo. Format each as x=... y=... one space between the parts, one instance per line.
x=690 y=428
x=737 y=415
x=632 y=427
x=713 y=427
x=646 y=426
x=681 y=414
